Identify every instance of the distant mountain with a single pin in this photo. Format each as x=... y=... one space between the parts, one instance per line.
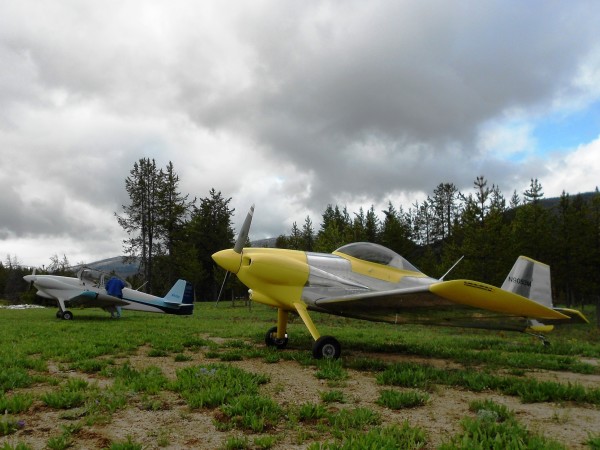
x=263 y=243
x=129 y=269
x=115 y=264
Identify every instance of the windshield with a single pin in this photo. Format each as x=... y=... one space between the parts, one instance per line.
x=96 y=277
x=376 y=253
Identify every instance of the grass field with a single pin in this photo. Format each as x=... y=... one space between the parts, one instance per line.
x=207 y=381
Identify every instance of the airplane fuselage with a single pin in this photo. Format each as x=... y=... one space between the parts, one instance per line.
x=284 y=278
x=81 y=292
x=368 y=281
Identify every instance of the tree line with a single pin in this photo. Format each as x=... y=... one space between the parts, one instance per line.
x=485 y=227
x=173 y=236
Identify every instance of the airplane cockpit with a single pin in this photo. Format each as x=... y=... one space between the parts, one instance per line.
x=368 y=251
x=91 y=277
x=95 y=278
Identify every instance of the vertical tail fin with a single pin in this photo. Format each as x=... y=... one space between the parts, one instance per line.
x=181 y=292
x=530 y=279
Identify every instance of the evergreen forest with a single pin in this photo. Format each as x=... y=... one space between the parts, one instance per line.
x=173 y=236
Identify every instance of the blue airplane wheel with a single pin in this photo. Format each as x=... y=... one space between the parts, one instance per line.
x=327 y=347
x=67 y=315
x=272 y=341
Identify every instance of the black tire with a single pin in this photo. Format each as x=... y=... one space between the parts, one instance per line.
x=59 y=314
x=327 y=347
x=67 y=315
x=272 y=341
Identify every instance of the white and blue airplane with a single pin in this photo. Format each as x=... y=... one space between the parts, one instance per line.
x=96 y=289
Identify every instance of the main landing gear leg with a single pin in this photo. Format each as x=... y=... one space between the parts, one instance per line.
x=277 y=336
x=63 y=313
x=545 y=341
x=324 y=346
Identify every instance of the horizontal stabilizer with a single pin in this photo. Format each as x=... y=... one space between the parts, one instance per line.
x=485 y=296
x=174 y=305
x=574 y=315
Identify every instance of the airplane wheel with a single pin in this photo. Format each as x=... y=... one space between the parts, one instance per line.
x=327 y=347
x=272 y=341
x=59 y=314
x=67 y=315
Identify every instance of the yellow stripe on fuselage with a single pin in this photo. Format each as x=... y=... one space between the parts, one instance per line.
x=379 y=271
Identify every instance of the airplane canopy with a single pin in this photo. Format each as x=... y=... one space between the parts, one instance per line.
x=96 y=277
x=376 y=253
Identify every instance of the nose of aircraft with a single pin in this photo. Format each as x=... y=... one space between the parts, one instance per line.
x=29 y=278
x=228 y=260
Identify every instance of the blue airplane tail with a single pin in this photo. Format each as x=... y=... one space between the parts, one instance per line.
x=182 y=293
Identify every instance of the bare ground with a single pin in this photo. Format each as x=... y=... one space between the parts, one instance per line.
x=175 y=426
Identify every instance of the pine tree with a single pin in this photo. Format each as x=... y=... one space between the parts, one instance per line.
x=210 y=230
x=308 y=235
x=140 y=219
x=531 y=227
x=174 y=210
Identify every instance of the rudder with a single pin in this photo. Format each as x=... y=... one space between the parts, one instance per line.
x=181 y=292
x=530 y=279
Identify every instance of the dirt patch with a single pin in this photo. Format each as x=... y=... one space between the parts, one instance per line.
x=173 y=425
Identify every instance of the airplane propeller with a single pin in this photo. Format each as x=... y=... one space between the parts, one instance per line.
x=239 y=246
x=31 y=278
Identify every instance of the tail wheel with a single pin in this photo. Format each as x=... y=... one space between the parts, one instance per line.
x=67 y=315
x=327 y=347
x=272 y=341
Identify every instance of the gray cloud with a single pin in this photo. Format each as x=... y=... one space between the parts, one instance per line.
x=290 y=105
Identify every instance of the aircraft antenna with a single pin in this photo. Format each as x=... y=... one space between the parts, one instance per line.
x=450 y=270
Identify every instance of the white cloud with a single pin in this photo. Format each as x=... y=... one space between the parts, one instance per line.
x=574 y=171
x=288 y=105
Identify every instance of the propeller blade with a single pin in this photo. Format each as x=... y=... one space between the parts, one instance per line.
x=243 y=236
x=30 y=278
x=223 y=286
x=237 y=248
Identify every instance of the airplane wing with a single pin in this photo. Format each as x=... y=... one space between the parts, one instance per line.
x=89 y=299
x=441 y=295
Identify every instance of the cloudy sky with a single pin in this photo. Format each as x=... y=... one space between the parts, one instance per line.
x=286 y=104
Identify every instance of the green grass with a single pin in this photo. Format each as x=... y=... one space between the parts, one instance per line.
x=331 y=369
x=333 y=396
x=16 y=403
x=149 y=380
x=97 y=348
x=213 y=385
x=402 y=399
x=495 y=427
x=529 y=390
x=594 y=442
x=311 y=412
x=394 y=436
x=129 y=444
x=70 y=395
x=18 y=446
x=251 y=413
x=9 y=425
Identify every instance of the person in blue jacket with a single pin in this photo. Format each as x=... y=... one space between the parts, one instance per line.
x=115 y=287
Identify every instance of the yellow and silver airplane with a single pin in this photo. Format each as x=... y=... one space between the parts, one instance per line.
x=371 y=282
